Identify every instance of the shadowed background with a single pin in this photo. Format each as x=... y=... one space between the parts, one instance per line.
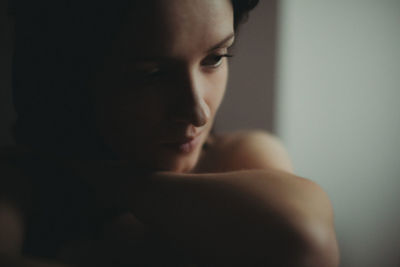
x=325 y=77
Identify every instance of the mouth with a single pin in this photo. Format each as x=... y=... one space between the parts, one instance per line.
x=184 y=145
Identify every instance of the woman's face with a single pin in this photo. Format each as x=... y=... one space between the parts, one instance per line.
x=164 y=80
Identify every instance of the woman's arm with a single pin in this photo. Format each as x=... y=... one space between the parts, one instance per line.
x=252 y=217
x=13 y=203
x=260 y=216
x=13 y=190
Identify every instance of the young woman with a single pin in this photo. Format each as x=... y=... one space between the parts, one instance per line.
x=117 y=163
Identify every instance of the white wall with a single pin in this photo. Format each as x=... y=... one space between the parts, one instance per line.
x=339 y=116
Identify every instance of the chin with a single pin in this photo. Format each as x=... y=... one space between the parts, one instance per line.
x=179 y=162
x=178 y=165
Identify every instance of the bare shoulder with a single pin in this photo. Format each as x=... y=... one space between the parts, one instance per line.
x=11 y=228
x=14 y=198
x=250 y=149
x=14 y=183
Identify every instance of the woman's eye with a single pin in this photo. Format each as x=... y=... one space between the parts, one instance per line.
x=215 y=61
x=144 y=75
x=149 y=74
x=152 y=72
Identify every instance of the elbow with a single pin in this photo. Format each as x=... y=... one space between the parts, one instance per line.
x=311 y=244
x=317 y=246
x=308 y=238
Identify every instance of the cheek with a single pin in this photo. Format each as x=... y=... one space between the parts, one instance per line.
x=131 y=115
x=217 y=87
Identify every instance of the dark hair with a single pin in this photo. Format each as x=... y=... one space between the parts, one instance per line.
x=241 y=9
x=54 y=58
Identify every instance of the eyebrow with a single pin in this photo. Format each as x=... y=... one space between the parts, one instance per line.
x=225 y=40
x=161 y=58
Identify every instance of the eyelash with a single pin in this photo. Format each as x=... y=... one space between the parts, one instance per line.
x=219 y=60
x=156 y=72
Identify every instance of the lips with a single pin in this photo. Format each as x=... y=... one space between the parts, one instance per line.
x=183 y=140
x=183 y=146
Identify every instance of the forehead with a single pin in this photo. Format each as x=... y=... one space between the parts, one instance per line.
x=175 y=27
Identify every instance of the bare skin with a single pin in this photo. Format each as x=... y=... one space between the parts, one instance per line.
x=122 y=233
x=127 y=231
x=235 y=203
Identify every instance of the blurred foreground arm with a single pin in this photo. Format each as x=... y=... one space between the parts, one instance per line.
x=256 y=217
x=243 y=218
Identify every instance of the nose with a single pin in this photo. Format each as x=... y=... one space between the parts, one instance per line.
x=190 y=104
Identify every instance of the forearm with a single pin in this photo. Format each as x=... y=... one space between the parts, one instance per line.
x=232 y=218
